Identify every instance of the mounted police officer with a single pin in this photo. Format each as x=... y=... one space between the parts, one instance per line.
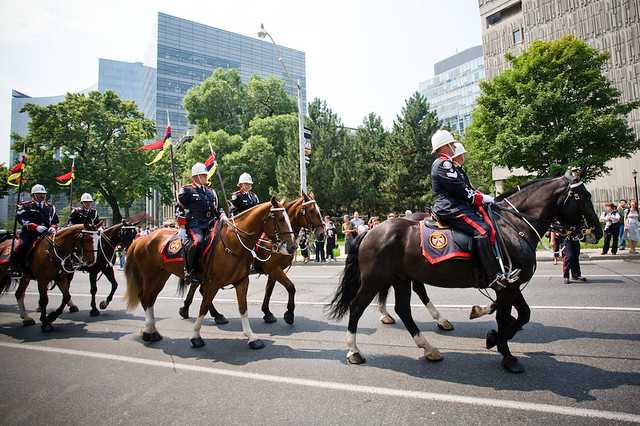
x=458 y=161
x=457 y=203
x=243 y=199
x=85 y=215
x=37 y=218
x=197 y=210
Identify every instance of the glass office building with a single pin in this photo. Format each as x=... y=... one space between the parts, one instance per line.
x=453 y=90
x=127 y=79
x=185 y=53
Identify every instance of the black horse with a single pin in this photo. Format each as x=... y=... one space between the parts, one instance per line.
x=121 y=234
x=390 y=255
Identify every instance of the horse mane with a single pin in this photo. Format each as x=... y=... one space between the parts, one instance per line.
x=519 y=188
x=245 y=212
x=69 y=229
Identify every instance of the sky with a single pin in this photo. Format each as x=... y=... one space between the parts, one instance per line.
x=362 y=56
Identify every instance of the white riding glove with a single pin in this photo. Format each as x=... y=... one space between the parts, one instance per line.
x=41 y=229
x=487 y=199
x=52 y=229
x=225 y=219
x=182 y=233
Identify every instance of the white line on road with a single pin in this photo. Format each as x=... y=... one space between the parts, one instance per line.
x=414 y=305
x=324 y=277
x=345 y=387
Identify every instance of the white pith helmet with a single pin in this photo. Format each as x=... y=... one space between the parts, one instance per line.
x=245 y=178
x=458 y=149
x=441 y=138
x=86 y=197
x=38 y=189
x=198 y=169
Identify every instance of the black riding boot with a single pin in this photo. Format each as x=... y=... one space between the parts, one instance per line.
x=192 y=275
x=489 y=262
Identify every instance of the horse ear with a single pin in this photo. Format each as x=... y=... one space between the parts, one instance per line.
x=305 y=196
x=274 y=201
x=582 y=173
x=312 y=196
x=99 y=225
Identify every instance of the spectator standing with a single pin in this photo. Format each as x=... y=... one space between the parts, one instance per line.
x=571 y=259
x=554 y=240
x=611 y=220
x=622 y=209
x=349 y=233
x=304 y=245
x=330 y=230
x=631 y=226
x=121 y=257
x=320 y=237
x=356 y=221
x=391 y=216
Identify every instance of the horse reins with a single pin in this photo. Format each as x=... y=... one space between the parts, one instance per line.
x=77 y=262
x=278 y=240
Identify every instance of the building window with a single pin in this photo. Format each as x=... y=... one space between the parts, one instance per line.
x=517 y=36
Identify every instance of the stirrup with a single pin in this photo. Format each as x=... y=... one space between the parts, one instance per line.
x=513 y=276
x=498 y=282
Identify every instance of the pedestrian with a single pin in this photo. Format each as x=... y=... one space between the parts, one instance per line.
x=374 y=221
x=571 y=259
x=554 y=241
x=622 y=209
x=304 y=245
x=631 y=226
x=391 y=215
x=121 y=256
x=407 y=213
x=330 y=229
x=611 y=220
x=356 y=221
x=349 y=233
x=320 y=237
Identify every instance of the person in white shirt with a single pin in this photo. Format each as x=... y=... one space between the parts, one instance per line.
x=611 y=220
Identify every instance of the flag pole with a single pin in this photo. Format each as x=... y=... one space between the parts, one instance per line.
x=73 y=169
x=18 y=201
x=173 y=167
x=224 y=193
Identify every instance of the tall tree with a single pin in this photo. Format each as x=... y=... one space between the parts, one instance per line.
x=552 y=109
x=408 y=156
x=105 y=133
x=266 y=97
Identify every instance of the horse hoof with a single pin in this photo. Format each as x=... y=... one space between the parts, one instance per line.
x=151 y=337
x=28 y=322
x=184 y=313
x=94 y=312
x=73 y=309
x=256 y=344
x=103 y=305
x=356 y=359
x=220 y=320
x=512 y=365
x=492 y=339
x=445 y=325
x=46 y=327
x=476 y=312
x=196 y=342
x=269 y=318
x=434 y=356
x=288 y=317
x=387 y=319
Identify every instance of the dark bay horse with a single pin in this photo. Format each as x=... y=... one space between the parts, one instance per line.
x=227 y=262
x=390 y=255
x=120 y=234
x=53 y=258
x=303 y=212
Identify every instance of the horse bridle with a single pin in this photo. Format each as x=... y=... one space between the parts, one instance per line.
x=76 y=261
x=104 y=235
x=304 y=214
x=278 y=241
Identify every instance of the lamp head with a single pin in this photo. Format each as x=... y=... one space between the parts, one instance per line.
x=634 y=173
x=262 y=33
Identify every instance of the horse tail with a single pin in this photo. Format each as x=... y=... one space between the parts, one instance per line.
x=6 y=284
x=349 y=283
x=134 y=279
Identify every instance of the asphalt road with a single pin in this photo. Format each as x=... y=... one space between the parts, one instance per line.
x=581 y=352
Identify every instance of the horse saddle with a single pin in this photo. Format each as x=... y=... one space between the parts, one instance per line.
x=173 y=249
x=5 y=251
x=439 y=242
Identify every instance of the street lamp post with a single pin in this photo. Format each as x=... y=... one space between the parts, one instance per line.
x=303 y=166
x=635 y=182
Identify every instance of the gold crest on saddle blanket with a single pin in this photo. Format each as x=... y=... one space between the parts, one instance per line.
x=175 y=246
x=438 y=240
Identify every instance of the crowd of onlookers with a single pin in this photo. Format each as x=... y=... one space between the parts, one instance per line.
x=620 y=225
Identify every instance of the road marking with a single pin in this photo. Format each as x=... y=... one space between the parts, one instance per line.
x=413 y=305
x=324 y=277
x=345 y=387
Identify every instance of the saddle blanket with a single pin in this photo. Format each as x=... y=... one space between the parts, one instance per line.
x=173 y=251
x=5 y=251
x=440 y=244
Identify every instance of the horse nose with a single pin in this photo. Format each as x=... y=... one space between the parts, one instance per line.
x=291 y=248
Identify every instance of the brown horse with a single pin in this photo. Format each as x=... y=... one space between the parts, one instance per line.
x=303 y=212
x=53 y=258
x=227 y=262
x=390 y=255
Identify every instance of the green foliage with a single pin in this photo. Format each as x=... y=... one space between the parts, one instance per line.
x=5 y=188
x=258 y=156
x=553 y=109
x=266 y=98
x=513 y=182
x=105 y=133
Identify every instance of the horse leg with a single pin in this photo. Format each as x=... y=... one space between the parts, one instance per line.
x=241 y=295
x=94 y=289
x=385 y=318
x=73 y=308
x=283 y=279
x=421 y=290
x=403 y=309
x=63 y=285
x=268 y=316
x=108 y=272
x=150 y=292
x=208 y=293
x=523 y=310
x=218 y=318
x=358 y=305
x=22 y=288
x=506 y=330
x=480 y=311
x=184 y=310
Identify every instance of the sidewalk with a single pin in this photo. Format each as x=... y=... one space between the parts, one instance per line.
x=542 y=256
